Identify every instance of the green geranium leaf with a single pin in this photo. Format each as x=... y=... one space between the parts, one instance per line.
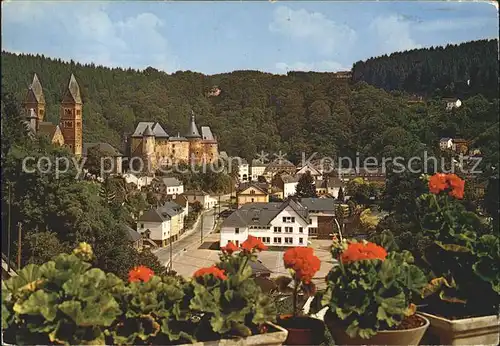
x=40 y=302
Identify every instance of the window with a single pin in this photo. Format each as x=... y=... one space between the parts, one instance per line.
x=277 y=229
x=237 y=230
x=68 y=124
x=266 y=240
x=78 y=124
x=252 y=199
x=313 y=230
x=68 y=112
x=78 y=112
x=301 y=230
x=310 y=221
x=288 y=240
x=301 y=240
x=252 y=192
x=142 y=225
x=277 y=240
x=288 y=229
x=173 y=146
x=288 y=219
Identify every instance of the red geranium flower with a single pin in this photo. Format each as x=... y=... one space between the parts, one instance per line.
x=457 y=186
x=229 y=248
x=140 y=273
x=360 y=251
x=437 y=183
x=213 y=270
x=303 y=262
x=253 y=243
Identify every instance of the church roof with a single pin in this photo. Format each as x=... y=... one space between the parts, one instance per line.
x=192 y=130
x=35 y=90
x=72 y=93
x=47 y=128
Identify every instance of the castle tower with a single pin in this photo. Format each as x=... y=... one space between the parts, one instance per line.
x=35 y=100
x=70 y=120
x=148 y=149
x=194 y=138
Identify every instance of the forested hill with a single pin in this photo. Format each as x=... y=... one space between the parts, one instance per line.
x=254 y=111
x=455 y=70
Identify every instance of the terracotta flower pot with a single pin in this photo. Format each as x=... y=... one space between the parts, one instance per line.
x=468 y=331
x=385 y=337
x=302 y=330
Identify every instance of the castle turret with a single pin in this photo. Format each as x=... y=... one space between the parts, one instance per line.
x=148 y=148
x=192 y=132
x=71 y=117
x=35 y=100
x=195 y=145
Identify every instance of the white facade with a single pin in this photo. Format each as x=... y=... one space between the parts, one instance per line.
x=286 y=229
x=244 y=172
x=175 y=189
x=138 y=181
x=446 y=144
x=289 y=189
x=333 y=191
x=453 y=104
x=160 y=231
x=257 y=171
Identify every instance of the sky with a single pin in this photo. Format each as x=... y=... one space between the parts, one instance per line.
x=217 y=37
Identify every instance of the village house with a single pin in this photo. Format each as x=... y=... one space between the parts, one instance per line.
x=134 y=237
x=257 y=169
x=316 y=174
x=282 y=224
x=154 y=224
x=333 y=186
x=170 y=186
x=175 y=212
x=287 y=183
x=279 y=166
x=321 y=187
x=202 y=197
x=452 y=103
x=321 y=216
x=113 y=157
x=446 y=143
x=243 y=170
x=252 y=193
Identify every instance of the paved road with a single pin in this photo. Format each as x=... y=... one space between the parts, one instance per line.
x=189 y=238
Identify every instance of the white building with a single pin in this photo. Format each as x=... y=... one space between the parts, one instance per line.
x=446 y=143
x=139 y=182
x=276 y=224
x=155 y=225
x=258 y=168
x=452 y=103
x=309 y=168
x=171 y=186
x=289 y=185
x=204 y=198
x=243 y=171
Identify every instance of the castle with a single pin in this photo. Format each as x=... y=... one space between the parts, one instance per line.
x=69 y=131
x=151 y=143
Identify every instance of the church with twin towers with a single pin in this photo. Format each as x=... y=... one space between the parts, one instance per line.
x=149 y=141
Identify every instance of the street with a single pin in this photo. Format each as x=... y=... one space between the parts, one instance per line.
x=189 y=238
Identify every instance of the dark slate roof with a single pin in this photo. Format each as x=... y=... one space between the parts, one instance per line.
x=178 y=138
x=192 y=131
x=262 y=187
x=206 y=133
x=170 y=181
x=73 y=91
x=148 y=132
x=290 y=178
x=258 y=268
x=195 y=193
x=154 y=215
x=47 y=128
x=132 y=235
x=157 y=129
x=105 y=148
x=261 y=214
x=319 y=204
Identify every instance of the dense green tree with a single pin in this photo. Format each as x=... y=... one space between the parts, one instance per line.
x=305 y=187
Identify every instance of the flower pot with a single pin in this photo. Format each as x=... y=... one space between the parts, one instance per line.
x=302 y=330
x=383 y=337
x=274 y=337
x=468 y=331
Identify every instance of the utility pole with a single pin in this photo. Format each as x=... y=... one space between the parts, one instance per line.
x=8 y=226
x=19 y=246
x=171 y=263
x=201 y=228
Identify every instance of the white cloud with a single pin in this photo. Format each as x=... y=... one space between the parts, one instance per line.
x=325 y=34
x=392 y=34
x=321 y=66
x=86 y=33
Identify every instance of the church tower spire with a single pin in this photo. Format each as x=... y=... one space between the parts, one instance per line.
x=35 y=100
x=71 y=117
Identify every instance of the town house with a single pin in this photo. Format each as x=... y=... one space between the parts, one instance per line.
x=282 y=224
x=170 y=186
x=321 y=216
x=252 y=193
x=155 y=225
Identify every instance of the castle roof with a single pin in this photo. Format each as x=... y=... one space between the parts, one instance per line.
x=206 y=133
x=148 y=132
x=192 y=130
x=35 y=91
x=72 y=93
x=158 y=131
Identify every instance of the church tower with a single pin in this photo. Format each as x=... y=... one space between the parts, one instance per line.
x=148 y=149
x=34 y=102
x=70 y=120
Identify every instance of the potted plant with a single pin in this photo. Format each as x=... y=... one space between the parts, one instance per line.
x=303 y=264
x=369 y=295
x=463 y=297
x=233 y=306
x=66 y=301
